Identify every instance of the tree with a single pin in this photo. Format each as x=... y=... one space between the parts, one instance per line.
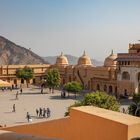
x=98 y=99
x=134 y=108
x=26 y=73
x=73 y=87
x=53 y=79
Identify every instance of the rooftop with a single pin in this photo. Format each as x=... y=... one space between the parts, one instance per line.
x=110 y=115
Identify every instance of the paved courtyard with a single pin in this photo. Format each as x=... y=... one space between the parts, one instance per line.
x=32 y=99
x=28 y=101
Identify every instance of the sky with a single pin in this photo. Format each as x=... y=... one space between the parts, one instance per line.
x=50 y=27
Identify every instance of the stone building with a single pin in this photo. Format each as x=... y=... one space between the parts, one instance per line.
x=120 y=73
x=128 y=65
x=102 y=78
x=8 y=73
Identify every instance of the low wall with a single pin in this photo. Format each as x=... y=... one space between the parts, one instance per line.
x=52 y=129
x=86 y=123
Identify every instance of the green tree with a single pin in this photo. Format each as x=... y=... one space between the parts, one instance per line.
x=53 y=79
x=98 y=99
x=73 y=87
x=134 y=108
x=26 y=73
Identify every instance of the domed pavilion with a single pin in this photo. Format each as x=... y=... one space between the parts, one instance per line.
x=61 y=60
x=84 y=60
x=110 y=60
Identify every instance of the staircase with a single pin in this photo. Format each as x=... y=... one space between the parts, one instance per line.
x=80 y=77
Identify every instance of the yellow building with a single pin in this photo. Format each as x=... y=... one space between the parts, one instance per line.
x=8 y=73
x=120 y=73
x=103 y=78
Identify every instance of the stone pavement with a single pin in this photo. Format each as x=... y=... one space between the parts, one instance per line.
x=28 y=101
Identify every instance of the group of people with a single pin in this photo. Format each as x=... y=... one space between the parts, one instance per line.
x=40 y=112
x=43 y=112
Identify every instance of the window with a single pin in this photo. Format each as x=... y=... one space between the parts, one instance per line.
x=125 y=62
x=125 y=76
x=110 y=89
x=105 y=88
x=98 y=87
x=22 y=81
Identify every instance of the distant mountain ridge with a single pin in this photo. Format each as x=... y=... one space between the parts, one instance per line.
x=72 y=60
x=11 y=54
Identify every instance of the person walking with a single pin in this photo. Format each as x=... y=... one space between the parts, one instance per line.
x=44 y=112
x=48 y=112
x=123 y=110
x=37 y=112
x=21 y=90
x=17 y=95
x=64 y=94
x=41 y=90
x=40 y=112
x=28 y=117
x=14 y=108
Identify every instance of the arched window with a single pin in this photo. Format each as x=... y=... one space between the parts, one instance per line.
x=34 y=81
x=139 y=76
x=125 y=92
x=110 y=89
x=116 y=89
x=125 y=76
x=15 y=81
x=105 y=88
x=22 y=81
x=64 y=82
x=98 y=87
x=69 y=78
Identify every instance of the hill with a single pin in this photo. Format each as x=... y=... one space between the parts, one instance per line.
x=72 y=60
x=10 y=54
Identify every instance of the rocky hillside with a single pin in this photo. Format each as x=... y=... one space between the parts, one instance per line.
x=72 y=60
x=10 y=53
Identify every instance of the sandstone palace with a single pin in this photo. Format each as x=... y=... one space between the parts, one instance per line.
x=120 y=74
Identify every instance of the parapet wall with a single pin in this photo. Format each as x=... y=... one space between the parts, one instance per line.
x=86 y=123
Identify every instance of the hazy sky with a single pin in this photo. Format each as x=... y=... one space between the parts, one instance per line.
x=72 y=26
